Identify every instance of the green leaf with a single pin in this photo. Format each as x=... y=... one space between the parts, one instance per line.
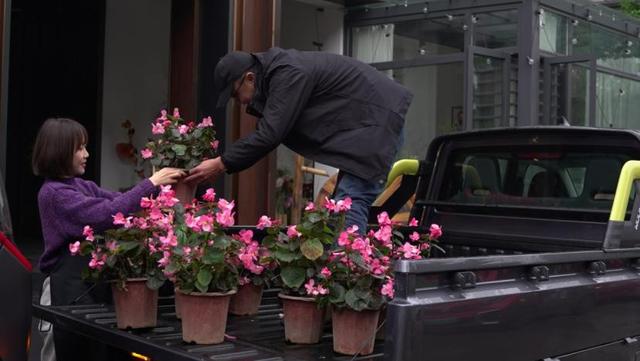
x=213 y=256
x=292 y=276
x=155 y=282
x=156 y=162
x=283 y=255
x=364 y=283
x=314 y=217
x=179 y=149
x=312 y=249
x=125 y=246
x=111 y=261
x=204 y=277
x=336 y=293
x=353 y=301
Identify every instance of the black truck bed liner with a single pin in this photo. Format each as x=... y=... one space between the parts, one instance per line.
x=258 y=338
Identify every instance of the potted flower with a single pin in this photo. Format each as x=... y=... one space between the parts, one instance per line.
x=180 y=144
x=301 y=252
x=127 y=256
x=256 y=268
x=201 y=262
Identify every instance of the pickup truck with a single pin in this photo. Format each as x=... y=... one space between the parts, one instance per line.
x=541 y=261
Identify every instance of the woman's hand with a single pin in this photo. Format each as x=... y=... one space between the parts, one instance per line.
x=167 y=176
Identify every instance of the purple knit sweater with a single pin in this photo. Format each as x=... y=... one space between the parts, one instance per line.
x=67 y=205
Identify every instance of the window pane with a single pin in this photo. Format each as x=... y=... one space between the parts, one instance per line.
x=497 y=29
x=617 y=104
x=408 y=40
x=436 y=107
x=570 y=94
x=612 y=49
x=553 y=33
x=488 y=91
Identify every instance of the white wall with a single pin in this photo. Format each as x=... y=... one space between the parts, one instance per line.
x=136 y=79
x=298 y=30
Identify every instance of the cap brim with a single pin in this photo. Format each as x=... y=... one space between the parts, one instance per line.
x=224 y=96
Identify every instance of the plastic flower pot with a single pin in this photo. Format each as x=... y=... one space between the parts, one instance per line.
x=185 y=192
x=303 y=319
x=204 y=316
x=137 y=306
x=354 y=331
x=246 y=301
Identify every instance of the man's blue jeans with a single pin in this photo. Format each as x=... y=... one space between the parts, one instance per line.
x=362 y=192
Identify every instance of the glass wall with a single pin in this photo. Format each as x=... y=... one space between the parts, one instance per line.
x=488 y=92
x=496 y=29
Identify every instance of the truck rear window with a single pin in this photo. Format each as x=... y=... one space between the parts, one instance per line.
x=532 y=176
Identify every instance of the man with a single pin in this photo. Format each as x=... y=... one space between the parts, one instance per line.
x=329 y=108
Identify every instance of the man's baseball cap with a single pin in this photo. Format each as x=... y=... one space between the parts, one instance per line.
x=229 y=69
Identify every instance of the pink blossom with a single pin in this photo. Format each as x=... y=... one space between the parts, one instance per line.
x=157 y=128
x=225 y=218
x=353 y=229
x=206 y=122
x=74 y=248
x=145 y=202
x=141 y=223
x=325 y=272
x=146 y=153
x=244 y=281
x=226 y=206
x=183 y=129
x=315 y=291
x=292 y=232
x=409 y=251
x=210 y=195
x=112 y=245
x=359 y=244
x=435 y=231
x=205 y=222
x=384 y=235
x=119 y=219
x=383 y=219
x=97 y=260
x=387 y=288
x=170 y=240
x=87 y=232
x=343 y=239
x=264 y=222
x=415 y=236
x=186 y=250
x=413 y=222
x=425 y=246
x=215 y=144
x=165 y=260
x=310 y=207
x=344 y=204
x=176 y=113
x=163 y=115
x=246 y=236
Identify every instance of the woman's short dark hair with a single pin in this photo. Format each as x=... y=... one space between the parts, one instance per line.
x=57 y=141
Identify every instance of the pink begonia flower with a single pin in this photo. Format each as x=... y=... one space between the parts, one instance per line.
x=163 y=115
x=146 y=153
x=358 y=244
x=384 y=235
x=325 y=272
x=353 y=229
x=176 y=113
x=225 y=218
x=170 y=240
x=206 y=122
x=310 y=207
x=183 y=129
x=383 y=219
x=435 y=231
x=415 y=236
x=87 y=232
x=343 y=239
x=165 y=260
x=209 y=195
x=244 y=280
x=187 y=250
x=292 y=232
x=264 y=222
x=97 y=260
x=74 y=248
x=344 y=204
x=192 y=222
x=215 y=144
x=225 y=205
x=205 y=222
x=387 y=288
x=413 y=222
x=119 y=219
x=315 y=291
x=157 y=128
x=425 y=246
x=246 y=236
x=112 y=245
x=145 y=202
x=410 y=251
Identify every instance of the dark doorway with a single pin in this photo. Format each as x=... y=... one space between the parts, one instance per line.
x=55 y=70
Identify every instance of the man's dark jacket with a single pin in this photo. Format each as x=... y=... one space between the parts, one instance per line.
x=329 y=108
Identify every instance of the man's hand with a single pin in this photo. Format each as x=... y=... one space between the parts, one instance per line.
x=209 y=169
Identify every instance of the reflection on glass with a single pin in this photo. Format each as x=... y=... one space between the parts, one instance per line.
x=488 y=92
x=553 y=33
x=436 y=107
x=617 y=104
x=496 y=29
x=408 y=40
x=611 y=49
x=570 y=94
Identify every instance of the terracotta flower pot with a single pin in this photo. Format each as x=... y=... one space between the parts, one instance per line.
x=303 y=320
x=381 y=318
x=354 y=331
x=246 y=301
x=177 y=299
x=185 y=192
x=137 y=306
x=204 y=316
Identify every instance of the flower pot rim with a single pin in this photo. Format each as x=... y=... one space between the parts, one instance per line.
x=296 y=298
x=347 y=308
x=138 y=279
x=206 y=294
